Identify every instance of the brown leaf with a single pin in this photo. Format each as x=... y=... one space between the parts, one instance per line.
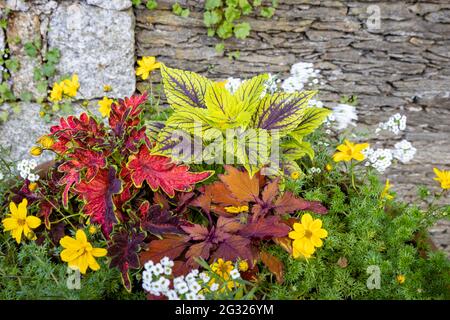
x=171 y=246
x=285 y=243
x=198 y=250
x=274 y=265
x=244 y=188
x=270 y=191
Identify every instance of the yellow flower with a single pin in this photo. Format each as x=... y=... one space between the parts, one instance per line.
x=222 y=83
x=443 y=177
x=307 y=235
x=146 y=65
x=46 y=141
x=107 y=88
x=236 y=209
x=70 y=86
x=329 y=167
x=79 y=253
x=36 y=151
x=105 y=106
x=295 y=175
x=243 y=265
x=348 y=151
x=32 y=186
x=56 y=93
x=385 y=194
x=18 y=222
x=92 y=229
x=222 y=268
x=401 y=278
x=41 y=114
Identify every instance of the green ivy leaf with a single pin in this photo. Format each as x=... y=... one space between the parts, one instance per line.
x=211 y=18
x=234 y=55
x=225 y=30
x=246 y=7
x=53 y=55
x=151 y=4
x=136 y=2
x=48 y=69
x=26 y=96
x=30 y=49
x=257 y=3
x=42 y=86
x=37 y=74
x=220 y=47
x=232 y=3
x=267 y=12
x=213 y=4
x=242 y=30
x=211 y=32
x=12 y=64
x=232 y=14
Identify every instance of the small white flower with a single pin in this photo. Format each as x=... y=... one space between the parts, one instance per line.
x=178 y=280
x=191 y=296
x=233 y=84
x=181 y=287
x=204 y=277
x=235 y=274
x=194 y=287
x=214 y=287
x=380 y=159
x=148 y=265
x=404 y=151
x=158 y=269
x=147 y=275
x=167 y=271
x=343 y=116
x=200 y=297
x=172 y=295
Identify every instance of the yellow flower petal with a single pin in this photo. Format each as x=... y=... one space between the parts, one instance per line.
x=99 y=252
x=9 y=224
x=22 y=209
x=316 y=241
x=315 y=225
x=83 y=263
x=68 y=255
x=33 y=222
x=306 y=220
x=81 y=236
x=92 y=263
x=13 y=209
x=17 y=234
x=321 y=233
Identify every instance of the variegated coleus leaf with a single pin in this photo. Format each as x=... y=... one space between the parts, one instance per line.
x=160 y=172
x=98 y=197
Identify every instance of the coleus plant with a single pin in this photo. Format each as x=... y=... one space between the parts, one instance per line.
x=242 y=213
x=205 y=110
x=102 y=171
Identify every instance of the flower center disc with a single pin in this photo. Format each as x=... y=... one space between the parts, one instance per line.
x=308 y=234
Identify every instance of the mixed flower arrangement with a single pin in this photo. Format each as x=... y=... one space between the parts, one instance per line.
x=119 y=192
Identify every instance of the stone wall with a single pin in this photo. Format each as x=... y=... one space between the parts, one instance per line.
x=402 y=66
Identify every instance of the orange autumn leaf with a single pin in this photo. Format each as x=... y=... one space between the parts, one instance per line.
x=274 y=265
x=171 y=246
x=243 y=188
x=285 y=243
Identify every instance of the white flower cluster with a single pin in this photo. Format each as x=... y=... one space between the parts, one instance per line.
x=380 y=159
x=314 y=170
x=233 y=84
x=25 y=168
x=315 y=103
x=343 y=115
x=395 y=124
x=404 y=151
x=302 y=73
x=271 y=84
x=155 y=280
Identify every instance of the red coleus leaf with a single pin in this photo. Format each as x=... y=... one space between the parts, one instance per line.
x=125 y=113
x=68 y=180
x=98 y=195
x=123 y=249
x=265 y=228
x=82 y=132
x=46 y=209
x=233 y=248
x=160 y=172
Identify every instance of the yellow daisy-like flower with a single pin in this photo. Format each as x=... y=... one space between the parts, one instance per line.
x=295 y=175
x=92 y=229
x=36 y=151
x=79 y=253
x=236 y=209
x=57 y=92
x=349 y=150
x=329 y=167
x=32 y=186
x=401 y=278
x=243 y=265
x=385 y=194
x=70 y=86
x=222 y=268
x=146 y=65
x=46 y=141
x=107 y=88
x=19 y=223
x=105 y=106
x=443 y=177
x=307 y=235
